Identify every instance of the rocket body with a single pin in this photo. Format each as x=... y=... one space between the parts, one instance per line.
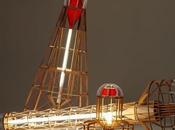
x=71 y=117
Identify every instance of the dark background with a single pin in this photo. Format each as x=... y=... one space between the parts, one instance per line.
x=130 y=42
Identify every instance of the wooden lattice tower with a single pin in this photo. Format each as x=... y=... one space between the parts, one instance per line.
x=61 y=79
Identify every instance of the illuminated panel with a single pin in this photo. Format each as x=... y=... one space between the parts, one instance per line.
x=64 y=65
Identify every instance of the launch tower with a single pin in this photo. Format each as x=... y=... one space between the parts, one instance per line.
x=61 y=79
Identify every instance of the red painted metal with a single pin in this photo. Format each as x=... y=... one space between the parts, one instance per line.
x=109 y=92
x=74 y=12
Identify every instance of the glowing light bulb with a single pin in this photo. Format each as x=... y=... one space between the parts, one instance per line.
x=108 y=117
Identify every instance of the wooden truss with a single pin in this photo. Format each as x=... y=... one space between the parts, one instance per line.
x=154 y=111
x=45 y=89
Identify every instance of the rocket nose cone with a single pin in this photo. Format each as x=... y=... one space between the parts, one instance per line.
x=76 y=3
x=74 y=11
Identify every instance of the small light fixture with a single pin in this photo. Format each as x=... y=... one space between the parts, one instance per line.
x=109 y=106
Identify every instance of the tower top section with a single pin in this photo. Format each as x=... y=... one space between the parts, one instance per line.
x=81 y=4
x=74 y=11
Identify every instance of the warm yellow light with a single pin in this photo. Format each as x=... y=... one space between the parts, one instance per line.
x=108 y=117
x=74 y=117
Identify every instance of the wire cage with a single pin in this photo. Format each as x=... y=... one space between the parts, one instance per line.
x=160 y=96
x=109 y=105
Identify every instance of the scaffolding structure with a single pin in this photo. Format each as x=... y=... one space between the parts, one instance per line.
x=58 y=98
x=156 y=106
x=61 y=79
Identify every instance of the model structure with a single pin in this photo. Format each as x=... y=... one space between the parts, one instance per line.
x=154 y=110
x=61 y=79
x=58 y=98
